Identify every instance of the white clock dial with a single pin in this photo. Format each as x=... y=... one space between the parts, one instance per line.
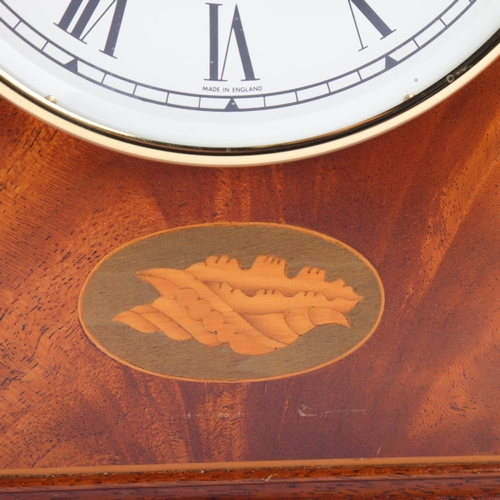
x=236 y=77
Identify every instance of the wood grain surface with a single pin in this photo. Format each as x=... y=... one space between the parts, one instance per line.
x=421 y=203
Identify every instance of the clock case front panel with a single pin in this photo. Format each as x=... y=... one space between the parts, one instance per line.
x=415 y=407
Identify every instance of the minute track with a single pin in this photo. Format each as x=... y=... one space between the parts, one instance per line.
x=232 y=102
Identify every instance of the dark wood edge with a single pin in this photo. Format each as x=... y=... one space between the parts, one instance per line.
x=451 y=480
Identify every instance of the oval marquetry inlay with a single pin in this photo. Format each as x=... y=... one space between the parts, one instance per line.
x=231 y=302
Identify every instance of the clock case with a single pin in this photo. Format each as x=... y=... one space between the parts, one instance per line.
x=427 y=378
x=420 y=202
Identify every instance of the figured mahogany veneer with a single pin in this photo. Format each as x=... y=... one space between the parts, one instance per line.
x=421 y=203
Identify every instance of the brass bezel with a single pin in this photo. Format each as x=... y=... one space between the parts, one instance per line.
x=49 y=112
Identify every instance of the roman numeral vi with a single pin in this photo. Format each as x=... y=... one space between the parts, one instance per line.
x=239 y=35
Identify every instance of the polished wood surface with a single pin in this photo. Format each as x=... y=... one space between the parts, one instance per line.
x=421 y=203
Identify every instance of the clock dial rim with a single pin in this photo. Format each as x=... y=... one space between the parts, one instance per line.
x=92 y=132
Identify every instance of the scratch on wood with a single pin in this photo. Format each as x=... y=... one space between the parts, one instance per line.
x=219 y=415
x=304 y=411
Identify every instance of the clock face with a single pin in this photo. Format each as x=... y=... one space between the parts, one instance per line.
x=236 y=78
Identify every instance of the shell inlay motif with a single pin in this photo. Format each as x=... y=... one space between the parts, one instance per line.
x=254 y=311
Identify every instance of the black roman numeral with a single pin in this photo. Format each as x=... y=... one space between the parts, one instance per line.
x=81 y=28
x=376 y=21
x=239 y=35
